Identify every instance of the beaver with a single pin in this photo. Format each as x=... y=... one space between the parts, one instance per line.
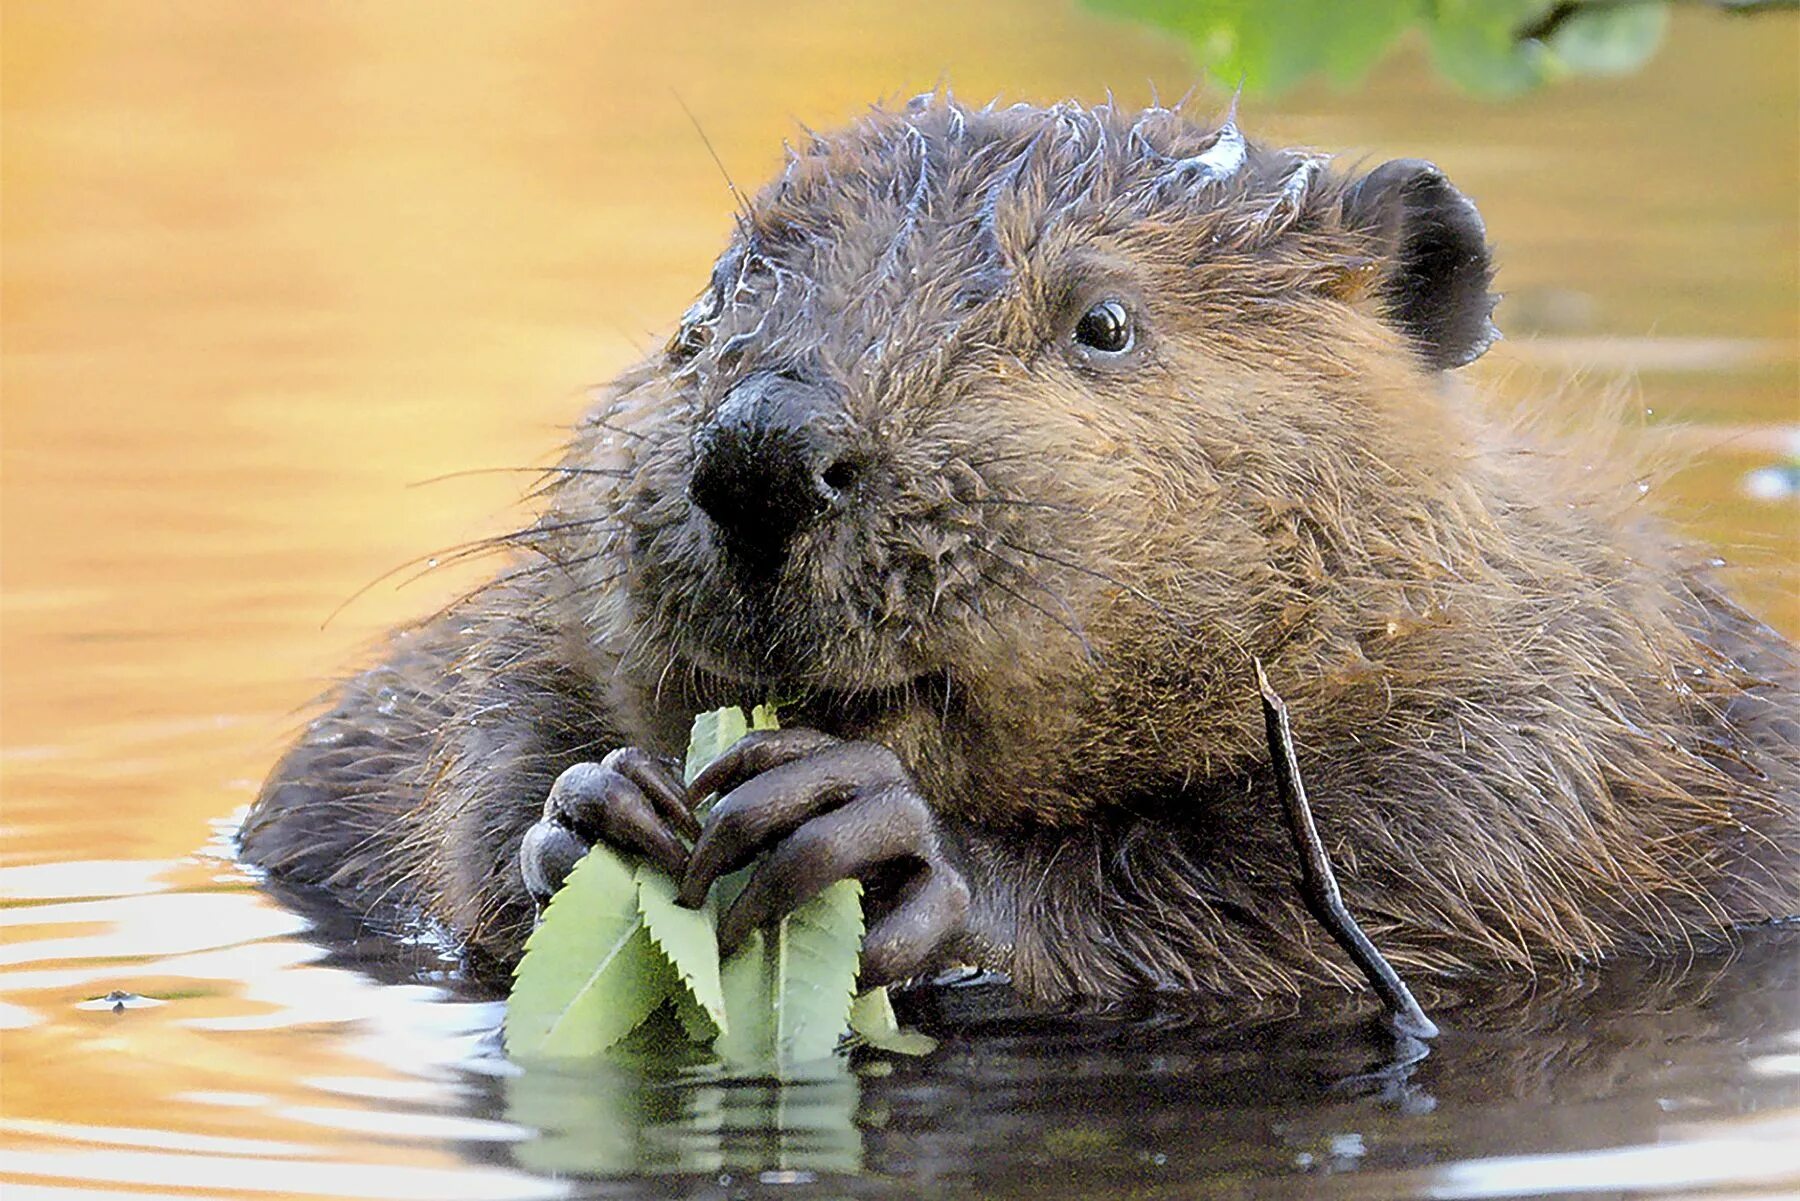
x=1001 y=445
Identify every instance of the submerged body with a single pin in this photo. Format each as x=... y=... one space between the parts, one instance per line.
x=1001 y=446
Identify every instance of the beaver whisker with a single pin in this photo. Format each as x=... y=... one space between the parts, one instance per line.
x=974 y=578
x=1174 y=622
x=555 y=471
x=546 y=603
x=523 y=536
x=450 y=556
x=662 y=677
x=597 y=584
x=598 y=421
x=1021 y=502
x=549 y=564
x=1014 y=456
x=1072 y=624
x=745 y=215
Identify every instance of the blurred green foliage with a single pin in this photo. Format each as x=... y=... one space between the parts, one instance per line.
x=1487 y=47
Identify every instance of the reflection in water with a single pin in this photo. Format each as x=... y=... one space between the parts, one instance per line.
x=615 y=1121
x=266 y=265
x=1124 y=1103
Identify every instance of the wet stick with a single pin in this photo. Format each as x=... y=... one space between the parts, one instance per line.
x=1318 y=883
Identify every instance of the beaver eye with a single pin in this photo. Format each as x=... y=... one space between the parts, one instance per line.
x=1106 y=328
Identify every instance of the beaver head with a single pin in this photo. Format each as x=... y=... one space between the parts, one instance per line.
x=1002 y=405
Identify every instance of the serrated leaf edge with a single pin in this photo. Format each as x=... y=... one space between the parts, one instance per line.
x=716 y=1015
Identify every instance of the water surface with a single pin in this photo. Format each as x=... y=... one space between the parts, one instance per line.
x=267 y=267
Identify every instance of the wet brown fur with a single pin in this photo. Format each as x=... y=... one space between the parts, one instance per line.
x=1533 y=730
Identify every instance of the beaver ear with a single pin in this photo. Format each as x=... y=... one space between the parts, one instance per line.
x=1436 y=268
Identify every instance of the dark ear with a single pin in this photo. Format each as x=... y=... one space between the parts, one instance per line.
x=1436 y=268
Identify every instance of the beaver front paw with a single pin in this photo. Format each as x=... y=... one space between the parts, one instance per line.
x=826 y=810
x=630 y=800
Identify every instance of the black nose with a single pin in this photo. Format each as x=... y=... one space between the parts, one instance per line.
x=772 y=461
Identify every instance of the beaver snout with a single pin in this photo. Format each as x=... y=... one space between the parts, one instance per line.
x=772 y=461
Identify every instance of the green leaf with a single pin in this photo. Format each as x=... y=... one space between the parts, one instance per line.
x=689 y=939
x=662 y=1042
x=1480 y=45
x=788 y=987
x=695 y=1020
x=1475 y=44
x=614 y=949
x=712 y=736
x=1611 y=40
x=787 y=990
x=590 y=972
x=872 y=1018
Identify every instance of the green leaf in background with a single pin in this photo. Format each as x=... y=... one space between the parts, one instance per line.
x=591 y=972
x=872 y=1019
x=1610 y=40
x=1488 y=47
x=688 y=938
x=1476 y=43
x=788 y=987
x=1274 y=44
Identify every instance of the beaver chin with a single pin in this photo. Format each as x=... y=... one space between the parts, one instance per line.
x=804 y=684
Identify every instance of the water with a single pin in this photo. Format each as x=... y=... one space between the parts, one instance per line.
x=267 y=267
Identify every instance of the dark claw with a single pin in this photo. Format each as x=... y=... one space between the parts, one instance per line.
x=660 y=783
x=753 y=754
x=900 y=944
x=629 y=800
x=819 y=810
x=604 y=805
x=546 y=857
x=845 y=844
x=772 y=805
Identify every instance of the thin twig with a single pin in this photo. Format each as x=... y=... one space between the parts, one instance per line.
x=1318 y=883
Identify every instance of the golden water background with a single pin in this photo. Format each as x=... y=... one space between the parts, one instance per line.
x=268 y=266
